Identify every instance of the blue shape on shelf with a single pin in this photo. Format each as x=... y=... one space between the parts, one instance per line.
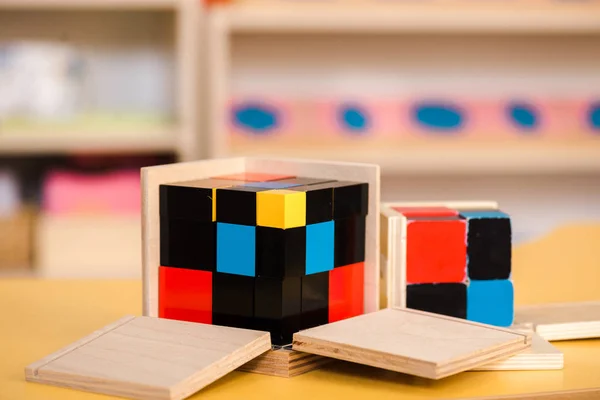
x=491 y=302
x=353 y=118
x=594 y=117
x=256 y=118
x=439 y=117
x=523 y=115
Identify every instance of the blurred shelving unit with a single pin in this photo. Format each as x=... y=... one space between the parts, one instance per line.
x=156 y=44
x=401 y=37
x=172 y=26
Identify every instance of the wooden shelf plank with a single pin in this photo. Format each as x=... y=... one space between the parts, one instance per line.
x=540 y=16
x=76 y=142
x=460 y=156
x=89 y=4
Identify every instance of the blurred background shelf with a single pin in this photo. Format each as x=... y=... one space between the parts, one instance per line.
x=49 y=142
x=90 y=92
x=90 y=4
x=526 y=16
x=452 y=157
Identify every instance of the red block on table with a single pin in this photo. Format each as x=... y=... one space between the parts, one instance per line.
x=346 y=291
x=185 y=294
x=436 y=250
x=410 y=212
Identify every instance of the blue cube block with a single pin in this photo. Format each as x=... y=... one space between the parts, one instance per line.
x=236 y=246
x=491 y=302
x=319 y=247
x=271 y=185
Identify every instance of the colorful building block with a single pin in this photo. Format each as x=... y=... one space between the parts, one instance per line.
x=236 y=249
x=283 y=254
x=277 y=307
x=253 y=177
x=281 y=209
x=349 y=241
x=185 y=295
x=440 y=298
x=319 y=202
x=315 y=300
x=491 y=302
x=233 y=300
x=346 y=285
x=451 y=258
x=489 y=242
x=180 y=239
x=436 y=250
x=319 y=247
x=237 y=205
x=280 y=252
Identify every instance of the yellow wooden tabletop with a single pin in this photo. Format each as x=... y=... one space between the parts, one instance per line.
x=39 y=317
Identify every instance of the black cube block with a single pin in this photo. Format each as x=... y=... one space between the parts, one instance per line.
x=277 y=307
x=233 y=300
x=303 y=181
x=441 y=298
x=280 y=252
x=190 y=200
x=315 y=300
x=489 y=245
x=350 y=199
x=319 y=202
x=188 y=244
x=237 y=205
x=186 y=200
x=349 y=241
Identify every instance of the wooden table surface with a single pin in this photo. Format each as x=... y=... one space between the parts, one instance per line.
x=39 y=317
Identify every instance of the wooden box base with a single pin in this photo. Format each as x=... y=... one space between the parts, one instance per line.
x=284 y=362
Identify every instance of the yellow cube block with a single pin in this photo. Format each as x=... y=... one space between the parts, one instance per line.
x=281 y=209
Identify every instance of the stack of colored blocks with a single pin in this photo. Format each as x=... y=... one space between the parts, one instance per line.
x=262 y=251
x=458 y=263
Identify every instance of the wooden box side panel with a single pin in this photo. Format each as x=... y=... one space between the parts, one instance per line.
x=152 y=177
x=349 y=172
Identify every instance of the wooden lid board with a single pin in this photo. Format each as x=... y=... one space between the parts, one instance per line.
x=562 y=321
x=541 y=355
x=150 y=358
x=413 y=342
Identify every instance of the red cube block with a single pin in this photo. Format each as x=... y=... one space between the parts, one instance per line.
x=346 y=291
x=410 y=212
x=436 y=250
x=185 y=294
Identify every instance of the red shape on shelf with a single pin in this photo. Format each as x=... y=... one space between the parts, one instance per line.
x=346 y=291
x=185 y=294
x=436 y=250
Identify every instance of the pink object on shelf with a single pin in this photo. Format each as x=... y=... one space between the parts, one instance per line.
x=531 y=116
x=357 y=117
x=77 y=193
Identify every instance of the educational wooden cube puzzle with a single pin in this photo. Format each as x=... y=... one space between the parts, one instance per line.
x=450 y=258
x=277 y=252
